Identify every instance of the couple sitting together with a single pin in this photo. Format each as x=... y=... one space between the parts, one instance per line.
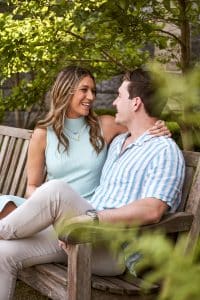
x=125 y=169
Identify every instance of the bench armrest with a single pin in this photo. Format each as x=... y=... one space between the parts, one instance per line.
x=84 y=232
x=172 y=222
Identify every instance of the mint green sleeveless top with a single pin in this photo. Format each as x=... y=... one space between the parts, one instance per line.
x=80 y=166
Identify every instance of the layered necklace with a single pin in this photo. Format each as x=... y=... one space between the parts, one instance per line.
x=74 y=128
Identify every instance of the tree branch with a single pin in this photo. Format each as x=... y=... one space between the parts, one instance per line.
x=111 y=59
x=172 y=35
x=116 y=62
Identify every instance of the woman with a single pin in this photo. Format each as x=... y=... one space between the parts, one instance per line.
x=70 y=128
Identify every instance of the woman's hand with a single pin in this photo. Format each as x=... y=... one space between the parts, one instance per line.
x=160 y=129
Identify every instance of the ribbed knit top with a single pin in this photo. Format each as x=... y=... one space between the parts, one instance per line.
x=80 y=166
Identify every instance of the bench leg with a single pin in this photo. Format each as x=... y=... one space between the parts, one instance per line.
x=79 y=272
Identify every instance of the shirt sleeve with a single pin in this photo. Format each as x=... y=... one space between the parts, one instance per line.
x=165 y=176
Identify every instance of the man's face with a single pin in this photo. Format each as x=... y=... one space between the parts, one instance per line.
x=123 y=104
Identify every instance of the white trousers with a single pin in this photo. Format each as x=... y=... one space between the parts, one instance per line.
x=29 y=237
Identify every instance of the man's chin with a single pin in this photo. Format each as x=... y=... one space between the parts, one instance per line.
x=117 y=121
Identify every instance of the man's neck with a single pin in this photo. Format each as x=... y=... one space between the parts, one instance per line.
x=138 y=128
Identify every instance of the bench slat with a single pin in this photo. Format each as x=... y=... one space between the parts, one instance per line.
x=54 y=271
x=13 y=164
x=192 y=158
x=16 y=132
x=21 y=169
x=44 y=283
x=128 y=288
x=6 y=164
x=186 y=188
x=4 y=146
x=104 y=284
x=193 y=206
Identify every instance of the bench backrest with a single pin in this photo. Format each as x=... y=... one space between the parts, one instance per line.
x=13 y=153
x=191 y=194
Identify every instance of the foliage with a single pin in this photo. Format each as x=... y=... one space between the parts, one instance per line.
x=174 y=267
x=184 y=91
x=176 y=132
x=105 y=111
x=40 y=37
x=178 y=272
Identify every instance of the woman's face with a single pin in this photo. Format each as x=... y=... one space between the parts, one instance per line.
x=82 y=99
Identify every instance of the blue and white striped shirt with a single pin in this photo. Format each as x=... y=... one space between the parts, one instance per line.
x=149 y=167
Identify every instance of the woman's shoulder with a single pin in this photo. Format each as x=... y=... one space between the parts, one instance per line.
x=38 y=137
x=38 y=141
x=39 y=133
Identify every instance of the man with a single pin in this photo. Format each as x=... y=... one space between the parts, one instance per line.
x=142 y=179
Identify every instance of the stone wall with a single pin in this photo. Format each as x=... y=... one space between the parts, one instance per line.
x=107 y=92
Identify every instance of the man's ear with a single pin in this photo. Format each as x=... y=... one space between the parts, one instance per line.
x=136 y=103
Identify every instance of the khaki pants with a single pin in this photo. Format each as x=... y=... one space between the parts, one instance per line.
x=29 y=237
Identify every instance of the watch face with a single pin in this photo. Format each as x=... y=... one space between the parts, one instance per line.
x=93 y=214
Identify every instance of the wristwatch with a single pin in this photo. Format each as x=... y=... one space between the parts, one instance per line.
x=93 y=214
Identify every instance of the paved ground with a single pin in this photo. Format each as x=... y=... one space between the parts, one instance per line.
x=24 y=292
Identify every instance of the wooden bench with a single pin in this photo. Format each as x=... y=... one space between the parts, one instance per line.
x=75 y=282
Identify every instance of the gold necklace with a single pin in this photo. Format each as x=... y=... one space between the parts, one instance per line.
x=74 y=135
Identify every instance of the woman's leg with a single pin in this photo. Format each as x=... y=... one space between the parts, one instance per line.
x=9 y=207
x=52 y=202
x=48 y=205
x=17 y=254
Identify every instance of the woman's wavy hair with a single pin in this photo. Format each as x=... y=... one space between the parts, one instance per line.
x=61 y=95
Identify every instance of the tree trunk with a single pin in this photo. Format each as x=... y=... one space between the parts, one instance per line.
x=185 y=36
x=185 y=60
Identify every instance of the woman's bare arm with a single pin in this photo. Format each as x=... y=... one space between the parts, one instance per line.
x=111 y=129
x=36 y=160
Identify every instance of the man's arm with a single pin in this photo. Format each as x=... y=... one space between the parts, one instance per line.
x=143 y=211
x=161 y=190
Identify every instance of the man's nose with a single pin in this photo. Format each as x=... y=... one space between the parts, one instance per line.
x=115 y=102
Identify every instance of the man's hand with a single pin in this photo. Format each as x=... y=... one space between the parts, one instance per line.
x=63 y=226
x=63 y=245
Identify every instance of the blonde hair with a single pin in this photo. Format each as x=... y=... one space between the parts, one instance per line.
x=61 y=95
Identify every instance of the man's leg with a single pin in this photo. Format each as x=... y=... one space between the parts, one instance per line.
x=50 y=203
x=106 y=263
x=17 y=254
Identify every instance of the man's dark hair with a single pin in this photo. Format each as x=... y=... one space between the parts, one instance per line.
x=142 y=85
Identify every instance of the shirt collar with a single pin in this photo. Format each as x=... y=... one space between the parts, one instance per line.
x=146 y=136
x=138 y=142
